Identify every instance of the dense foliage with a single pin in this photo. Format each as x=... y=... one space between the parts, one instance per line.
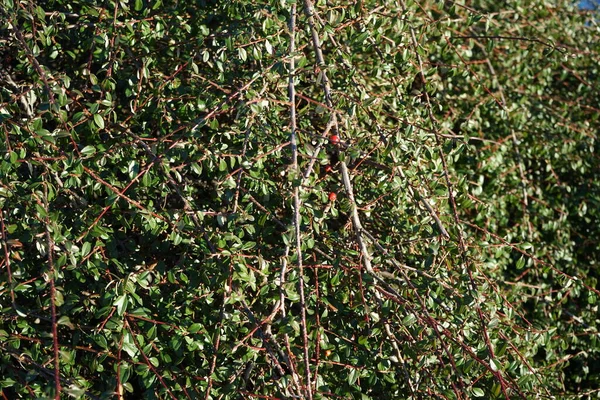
x=170 y=227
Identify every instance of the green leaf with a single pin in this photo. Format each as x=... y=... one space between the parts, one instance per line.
x=101 y=341
x=268 y=46
x=353 y=376
x=85 y=249
x=195 y=328
x=64 y=320
x=99 y=121
x=409 y=320
x=494 y=365
x=121 y=303
x=88 y=150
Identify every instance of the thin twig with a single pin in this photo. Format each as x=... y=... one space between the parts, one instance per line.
x=297 y=220
x=186 y=204
x=518 y=38
x=461 y=243
x=147 y=361
x=7 y=259
x=358 y=229
x=52 y=274
x=515 y=141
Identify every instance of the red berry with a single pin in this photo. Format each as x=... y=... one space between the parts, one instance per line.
x=332 y=196
x=334 y=139
x=328 y=169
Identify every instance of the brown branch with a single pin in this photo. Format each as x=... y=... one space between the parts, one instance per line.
x=5 y=244
x=516 y=38
x=52 y=274
x=297 y=219
x=186 y=204
x=461 y=243
x=34 y=62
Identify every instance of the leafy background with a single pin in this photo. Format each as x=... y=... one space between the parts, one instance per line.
x=166 y=223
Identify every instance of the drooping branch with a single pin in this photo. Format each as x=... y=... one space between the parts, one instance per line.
x=461 y=243
x=297 y=219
